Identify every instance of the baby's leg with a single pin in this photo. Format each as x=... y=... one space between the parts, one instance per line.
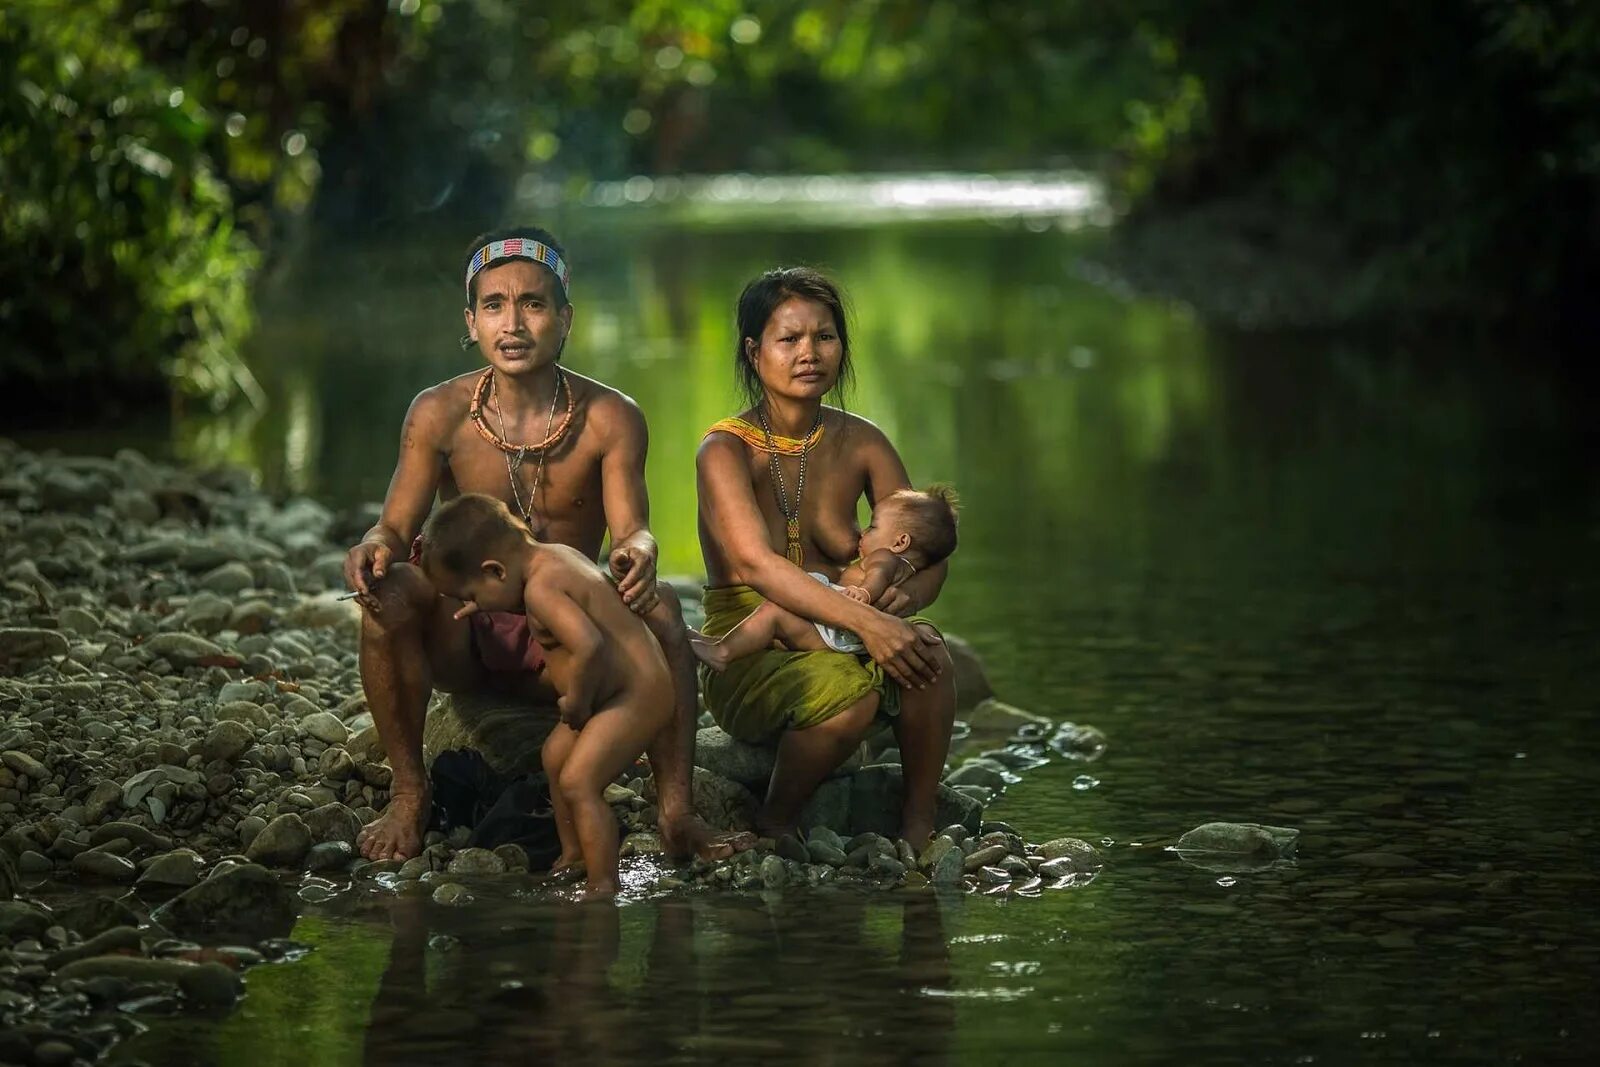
x=554 y=755
x=763 y=626
x=608 y=743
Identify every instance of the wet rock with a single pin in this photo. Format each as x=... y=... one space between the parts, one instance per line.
x=818 y=851
x=92 y=916
x=19 y=919
x=773 y=873
x=476 y=861
x=789 y=847
x=330 y=856
x=102 y=800
x=452 y=893
x=132 y=832
x=104 y=866
x=934 y=852
x=516 y=859
x=995 y=722
x=22 y=763
x=283 y=843
x=993 y=875
x=226 y=741
x=141 y=785
x=875 y=802
x=1078 y=742
x=180 y=868
x=983 y=857
x=948 y=869
x=242 y=896
x=1243 y=839
x=724 y=804
x=829 y=806
x=248 y=828
x=980 y=771
x=205 y=983
x=1082 y=856
x=116 y=939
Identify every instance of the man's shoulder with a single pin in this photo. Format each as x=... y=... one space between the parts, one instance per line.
x=448 y=400
x=608 y=409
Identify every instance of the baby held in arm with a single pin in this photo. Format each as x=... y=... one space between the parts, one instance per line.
x=614 y=687
x=910 y=530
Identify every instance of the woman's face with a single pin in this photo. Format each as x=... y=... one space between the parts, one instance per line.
x=799 y=352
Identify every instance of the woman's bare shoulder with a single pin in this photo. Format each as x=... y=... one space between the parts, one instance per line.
x=858 y=432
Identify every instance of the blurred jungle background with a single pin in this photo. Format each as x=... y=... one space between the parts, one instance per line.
x=1361 y=164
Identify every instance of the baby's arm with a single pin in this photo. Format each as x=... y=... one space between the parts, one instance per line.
x=874 y=574
x=549 y=601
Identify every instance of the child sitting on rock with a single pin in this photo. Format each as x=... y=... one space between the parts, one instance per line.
x=615 y=691
x=910 y=530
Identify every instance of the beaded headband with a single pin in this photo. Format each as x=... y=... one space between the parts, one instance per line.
x=526 y=248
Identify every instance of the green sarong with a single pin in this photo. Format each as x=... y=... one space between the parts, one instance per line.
x=763 y=694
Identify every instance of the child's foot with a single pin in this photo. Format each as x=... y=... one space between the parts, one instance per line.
x=709 y=652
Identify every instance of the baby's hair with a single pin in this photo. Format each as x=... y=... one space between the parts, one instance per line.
x=930 y=517
x=461 y=534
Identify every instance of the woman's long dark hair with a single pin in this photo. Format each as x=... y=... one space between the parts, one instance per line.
x=761 y=298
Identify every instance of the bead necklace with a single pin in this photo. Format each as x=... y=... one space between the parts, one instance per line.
x=514 y=465
x=791 y=520
x=480 y=394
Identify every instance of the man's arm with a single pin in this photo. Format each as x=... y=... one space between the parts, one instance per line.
x=410 y=495
x=627 y=503
x=549 y=603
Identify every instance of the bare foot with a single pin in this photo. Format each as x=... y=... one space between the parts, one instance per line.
x=601 y=890
x=567 y=860
x=917 y=834
x=397 y=833
x=708 y=651
x=688 y=835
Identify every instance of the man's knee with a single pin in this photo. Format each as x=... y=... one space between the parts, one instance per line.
x=405 y=599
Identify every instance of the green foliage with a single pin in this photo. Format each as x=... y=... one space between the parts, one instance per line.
x=119 y=262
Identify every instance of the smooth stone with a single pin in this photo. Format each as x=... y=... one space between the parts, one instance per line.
x=24 y=644
x=326 y=727
x=948 y=868
x=820 y=851
x=185 y=650
x=452 y=893
x=790 y=848
x=226 y=741
x=993 y=875
x=1082 y=855
x=247 y=712
x=988 y=773
x=476 y=861
x=283 y=843
x=983 y=857
x=32 y=862
x=935 y=851
x=19 y=919
x=116 y=939
x=105 y=866
x=332 y=822
x=248 y=828
x=773 y=873
x=515 y=857
x=245 y=895
x=133 y=832
x=204 y=983
x=972 y=680
x=102 y=800
x=1240 y=839
x=22 y=763
x=228 y=578
x=330 y=856
x=875 y=802
x=995 y=722
x=93 y=916
x=180 y=868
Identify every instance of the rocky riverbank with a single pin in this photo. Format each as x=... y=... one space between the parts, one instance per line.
x=181 y=715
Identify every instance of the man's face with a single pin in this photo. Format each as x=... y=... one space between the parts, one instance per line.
x=516 y=317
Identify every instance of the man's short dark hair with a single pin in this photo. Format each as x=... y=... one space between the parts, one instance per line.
x=527 y=233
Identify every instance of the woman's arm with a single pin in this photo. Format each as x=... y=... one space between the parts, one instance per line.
x=728 y=508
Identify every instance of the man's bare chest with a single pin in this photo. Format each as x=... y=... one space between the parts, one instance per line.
x=562 y=485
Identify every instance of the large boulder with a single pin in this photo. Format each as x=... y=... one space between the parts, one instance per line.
x=994 y=722
x=876 y=793
x=508 y=731
x=245 y=897
x=748 y=764
x=721 y=802
x=972 y=681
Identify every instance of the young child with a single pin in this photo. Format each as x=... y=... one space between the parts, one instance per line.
x=910 y=530
x=614 y=686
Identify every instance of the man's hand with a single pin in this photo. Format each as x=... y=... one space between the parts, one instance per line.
x=364 y=564
x=575 y=711
x=634 y=568
x=857 y=592
x=895 y=602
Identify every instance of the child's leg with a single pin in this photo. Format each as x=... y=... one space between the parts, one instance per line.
x=763 y=626
x=608 y=743
x=554 y=755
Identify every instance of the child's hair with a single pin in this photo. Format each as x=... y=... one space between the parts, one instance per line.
x=929 y=516
x=463 y=533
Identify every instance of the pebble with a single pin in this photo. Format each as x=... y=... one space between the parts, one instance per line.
x=180 y=868
x=325 y=727
x=452 y=893
x=104 y=866
x=476 y=861
x=283 y=842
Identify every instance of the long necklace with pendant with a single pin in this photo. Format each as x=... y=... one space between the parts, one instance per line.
x=792 y=547
x=514 y=464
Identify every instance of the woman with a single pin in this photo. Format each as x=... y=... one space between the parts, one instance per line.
x=778 y=488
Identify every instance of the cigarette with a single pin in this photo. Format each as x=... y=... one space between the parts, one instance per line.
x=351 y=595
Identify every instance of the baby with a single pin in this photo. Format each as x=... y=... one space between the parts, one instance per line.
x=910 y=530
x=612 y=679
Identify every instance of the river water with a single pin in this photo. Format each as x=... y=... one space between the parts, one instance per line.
x=1335 y=584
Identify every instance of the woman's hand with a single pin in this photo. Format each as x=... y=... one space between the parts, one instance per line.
x=905 y=653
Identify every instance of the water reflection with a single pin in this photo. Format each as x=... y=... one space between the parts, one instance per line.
x=788 y=979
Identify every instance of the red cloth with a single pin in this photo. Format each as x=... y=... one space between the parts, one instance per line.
x=501 y=638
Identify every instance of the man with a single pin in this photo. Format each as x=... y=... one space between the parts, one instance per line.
x=566 y=454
